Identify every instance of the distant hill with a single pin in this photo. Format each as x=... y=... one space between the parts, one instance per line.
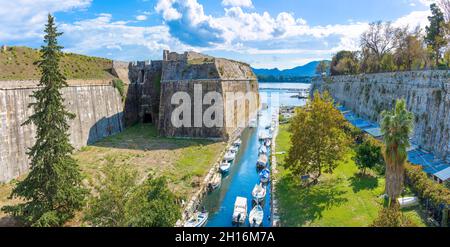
x=19 y=63
x=300 y=73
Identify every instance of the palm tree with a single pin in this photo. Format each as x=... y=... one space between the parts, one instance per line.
x=396 y=126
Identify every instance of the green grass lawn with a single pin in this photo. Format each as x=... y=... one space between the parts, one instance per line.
x=344 y=198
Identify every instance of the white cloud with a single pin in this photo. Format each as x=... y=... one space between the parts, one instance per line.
x=413 y=19
x=102 y=33
x=238 y=3
x=141 y=17
x=24 y=19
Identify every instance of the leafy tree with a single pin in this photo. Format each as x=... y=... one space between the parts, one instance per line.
x=368 y=156
x=114 y=188
x=318 y=139
x=409 y=53
x=387 y=63
x=396 y=126
x=322 y=68
x=52 y=190
x=344 y=63
x=122 y=202
x=392 y=217
x=435 y=32
x=153 y=205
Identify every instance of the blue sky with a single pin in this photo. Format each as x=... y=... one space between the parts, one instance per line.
x=264 y=33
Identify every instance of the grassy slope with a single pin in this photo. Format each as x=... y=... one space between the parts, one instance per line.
x=185 y=162
x=342 y=199
x=18 y=63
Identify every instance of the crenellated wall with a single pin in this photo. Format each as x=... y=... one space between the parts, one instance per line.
x=427 y=94
x=98 y=109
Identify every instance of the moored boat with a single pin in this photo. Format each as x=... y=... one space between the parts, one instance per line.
x=229 y=156
x=259 y=193
x=262 y=161
x=234 y=149
x=237 y=143
x=240 y=210
x=225 y=167
x=263 y=150
x=216 y=181
x=199 y=219
x=264 y=176
x=256 y=216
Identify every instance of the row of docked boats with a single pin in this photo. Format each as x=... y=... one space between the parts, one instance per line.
x=200 y=218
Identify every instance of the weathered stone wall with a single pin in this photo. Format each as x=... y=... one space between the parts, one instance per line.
x=142 y=102
x=181 y=72
x=427 y=94
x=98 y=110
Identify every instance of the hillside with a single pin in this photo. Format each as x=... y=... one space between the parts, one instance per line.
x=19 y=63
x=299 y=73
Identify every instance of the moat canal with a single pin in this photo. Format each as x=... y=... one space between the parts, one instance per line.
x=243 y=175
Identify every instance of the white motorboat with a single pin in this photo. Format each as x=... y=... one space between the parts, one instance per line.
x=199 y=219
x=263 y=150
x=253 y=123
x=267 y=143
x=240 y=210
x=225 y=167
x=216 y=181
x=237 y=143
x=262 y=161
x=229 y=156
x=234 y=149
x=406 y=202
x=256 y=216
x=259 y=193
x=264 y=176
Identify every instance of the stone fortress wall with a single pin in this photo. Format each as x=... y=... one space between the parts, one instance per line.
x=97 y=105
x=427 y=94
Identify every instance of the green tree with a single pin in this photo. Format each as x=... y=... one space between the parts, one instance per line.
x=368 y=156
x=318 y=139
x=153 y=205
x=322 y=68
x=344 y=63
x=435 y=32
x=52 y=190
x=410 y=53
x=392 y=217
x=114 y=188
x=396 y=126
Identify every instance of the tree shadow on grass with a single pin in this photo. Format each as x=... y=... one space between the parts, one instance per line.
x=302 y=205
x=363 y=182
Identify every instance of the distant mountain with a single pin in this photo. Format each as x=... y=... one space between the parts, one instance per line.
x=298 y=73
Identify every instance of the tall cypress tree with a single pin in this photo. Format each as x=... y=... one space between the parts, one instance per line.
x=52 y=191
x=435 y=32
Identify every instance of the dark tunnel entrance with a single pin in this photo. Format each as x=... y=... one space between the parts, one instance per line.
x=148 y=118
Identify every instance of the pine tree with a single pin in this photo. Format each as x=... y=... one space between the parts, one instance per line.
x=435 y=32
x=52 y=191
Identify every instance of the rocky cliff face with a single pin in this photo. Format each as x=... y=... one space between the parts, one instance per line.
x=427 y=94
x=98 y=109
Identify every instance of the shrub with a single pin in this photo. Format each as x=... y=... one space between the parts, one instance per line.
x=392 y=217
x=117 y=83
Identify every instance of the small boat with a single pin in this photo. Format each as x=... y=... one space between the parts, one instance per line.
x=237 y=143
x=234 y=149
x=262 y=161
x=229 y=156
x=267 y=143
x=260 y=113
x=216 y=181
x=240 y=210
x=263 y=150
x=256 y=216
x=262 y=135
x=199 y=219
x=259 y=193
x=253 y=123
x=264 y=176
x=406 y=202
x=225 y=167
